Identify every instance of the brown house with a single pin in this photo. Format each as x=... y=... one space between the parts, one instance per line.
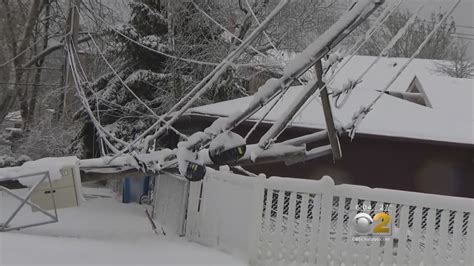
x=419 y=136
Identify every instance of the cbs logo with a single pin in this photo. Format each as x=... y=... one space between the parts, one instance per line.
x=363 y=224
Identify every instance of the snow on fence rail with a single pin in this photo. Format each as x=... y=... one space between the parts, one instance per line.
x=282 y=221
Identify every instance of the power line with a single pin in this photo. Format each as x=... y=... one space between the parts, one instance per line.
x=365 y=110
x=188 y=60
x=20 y=53
x=352 y=51
x=464 y=38
x=30 y=84
x=130 y=90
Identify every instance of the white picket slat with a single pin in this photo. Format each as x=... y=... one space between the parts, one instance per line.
x=375 y=249
x=303 y=222
x=456 y=243
x=337 y=258
x=470 y=241
x=276 y=238
x=442 y=246
x=314 y=229
x=429 y=235
x=266 y=253
x=388 y=244
x=415 y=252
x=290 y=229
x=402 y=237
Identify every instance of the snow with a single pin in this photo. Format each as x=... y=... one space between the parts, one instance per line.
x=184 y=156
x=103 y=231
x=266 y=91
x=450 y=119
x=51 y=165
x=14 y=116
x=217 y=126
x=14 y=129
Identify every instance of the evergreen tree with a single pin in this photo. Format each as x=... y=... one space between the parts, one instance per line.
x=173 y=28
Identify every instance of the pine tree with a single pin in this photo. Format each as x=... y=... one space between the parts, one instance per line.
x=173 y=28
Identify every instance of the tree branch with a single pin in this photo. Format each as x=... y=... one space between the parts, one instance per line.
x=48 y=51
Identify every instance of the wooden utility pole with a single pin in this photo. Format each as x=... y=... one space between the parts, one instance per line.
x=332 y=134
x=72 y=29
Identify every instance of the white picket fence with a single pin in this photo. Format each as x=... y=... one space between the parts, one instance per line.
x=287 y=221
x=307 y=222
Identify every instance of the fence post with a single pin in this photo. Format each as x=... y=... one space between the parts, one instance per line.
x=326 y=208
x=256 y=218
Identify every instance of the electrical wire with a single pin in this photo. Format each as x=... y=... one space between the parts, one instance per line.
x=188 y=60
x=365 y=110
x=352 y=51
x=209 y=80
x=160 y=119
x=76 y=78
x=20 y=53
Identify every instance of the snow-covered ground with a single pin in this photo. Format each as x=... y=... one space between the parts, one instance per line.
x=101 y=231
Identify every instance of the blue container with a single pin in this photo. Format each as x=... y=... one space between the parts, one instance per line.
x=134 y=188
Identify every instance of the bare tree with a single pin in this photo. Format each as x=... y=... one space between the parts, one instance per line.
x=459 y=65
x=18 y=44
x=437 y=48
x=25 y=37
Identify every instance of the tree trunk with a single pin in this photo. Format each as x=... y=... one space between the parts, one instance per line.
x=37 y=78
x=11 y=94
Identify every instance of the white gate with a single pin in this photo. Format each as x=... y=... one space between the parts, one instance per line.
x=220 y=211
x=170 y=202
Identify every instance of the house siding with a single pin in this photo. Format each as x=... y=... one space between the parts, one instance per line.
x=411 y=165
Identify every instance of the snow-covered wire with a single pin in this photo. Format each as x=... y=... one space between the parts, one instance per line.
x=160 y=119
x=352 y=84
x=353 y=51
x=76 y=78
x=357 y=46
x=357 y=119
x=223 y=28
x=314 y=52
x=188 y=60
x=264 y=116
x=208 y=81
x=258 y=23
x=101 y=137
x=422 y=45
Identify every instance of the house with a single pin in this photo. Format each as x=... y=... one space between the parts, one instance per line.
x=418 y=137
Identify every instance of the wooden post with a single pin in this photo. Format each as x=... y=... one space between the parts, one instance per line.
x=72 y=27
x=332 y=134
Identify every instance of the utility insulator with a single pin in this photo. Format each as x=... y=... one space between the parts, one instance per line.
x=226 y=148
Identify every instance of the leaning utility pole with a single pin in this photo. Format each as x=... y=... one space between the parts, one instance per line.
x=72 y=29
x=328 y=117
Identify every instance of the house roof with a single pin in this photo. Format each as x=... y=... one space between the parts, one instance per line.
x=449 y=119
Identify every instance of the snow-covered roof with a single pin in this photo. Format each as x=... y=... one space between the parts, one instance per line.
x=449 y=119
